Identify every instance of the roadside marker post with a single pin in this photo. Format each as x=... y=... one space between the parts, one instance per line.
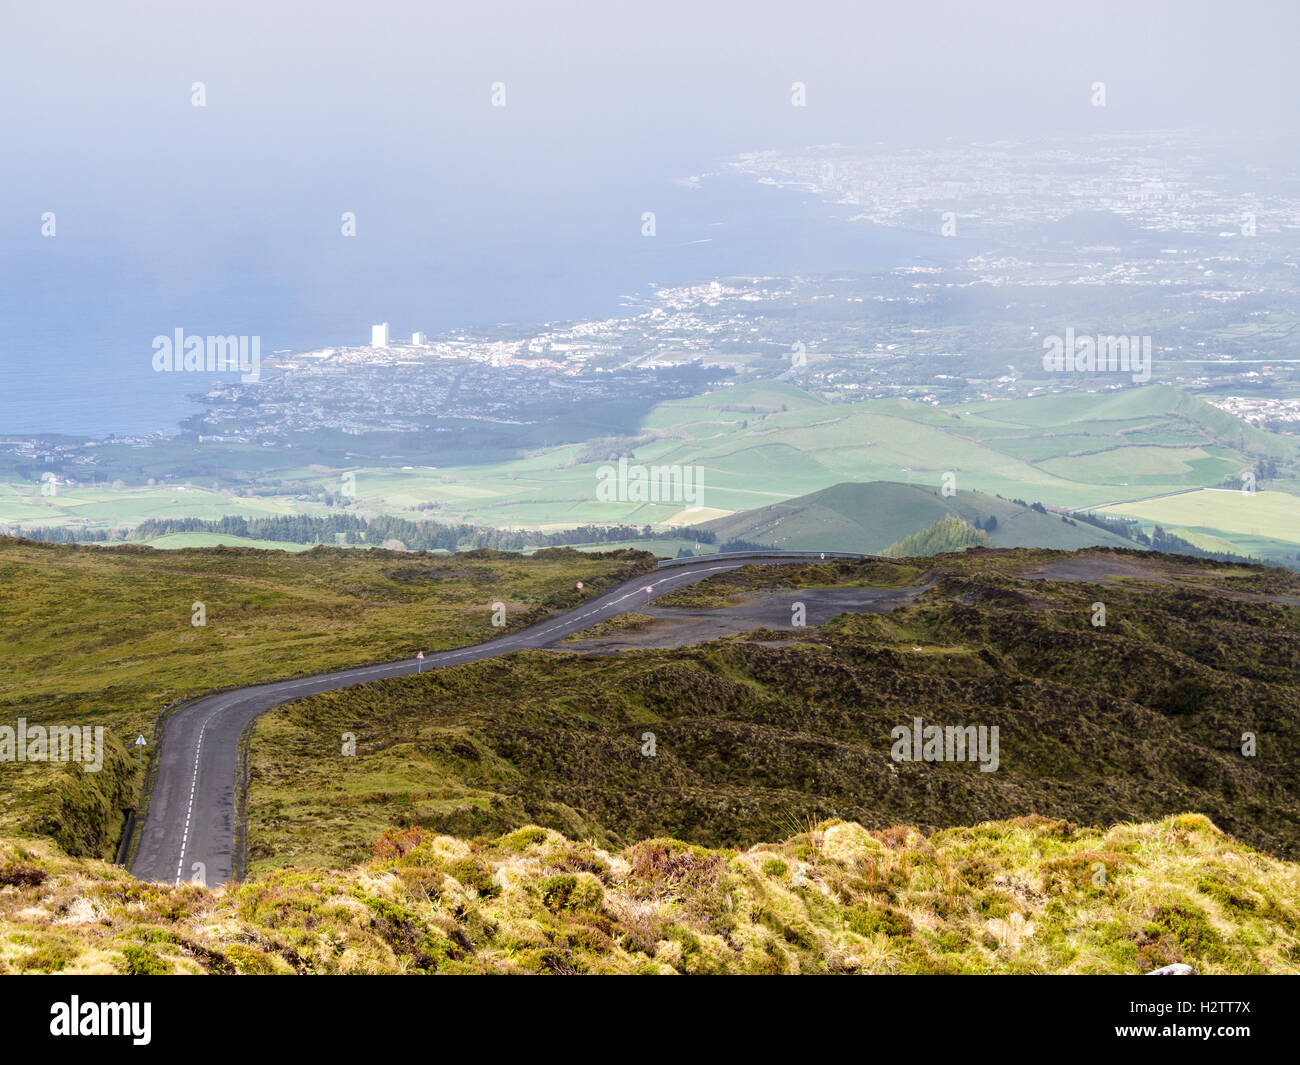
x=420 y=658
x=140 y=741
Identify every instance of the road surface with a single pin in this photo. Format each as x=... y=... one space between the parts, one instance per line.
x=192 y=810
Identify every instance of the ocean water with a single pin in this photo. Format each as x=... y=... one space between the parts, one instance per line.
x=80 y=310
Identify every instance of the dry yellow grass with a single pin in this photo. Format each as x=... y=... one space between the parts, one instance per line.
x=1030 y=895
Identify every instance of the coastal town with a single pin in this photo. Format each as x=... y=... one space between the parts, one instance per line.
x=1206 y=276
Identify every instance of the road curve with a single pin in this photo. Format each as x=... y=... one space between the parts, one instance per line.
x=192 y=808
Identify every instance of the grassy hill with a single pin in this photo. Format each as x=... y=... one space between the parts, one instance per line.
x=767 y=442
x=1136 y=720
x=479 y=780
x=1263 y=524
x=104 y=636
x=770 y=441
x=870 y=517
x=1024 y=896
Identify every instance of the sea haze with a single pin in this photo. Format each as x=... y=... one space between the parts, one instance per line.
x=82 y=309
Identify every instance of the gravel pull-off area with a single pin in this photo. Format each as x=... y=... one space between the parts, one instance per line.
x=681 y=627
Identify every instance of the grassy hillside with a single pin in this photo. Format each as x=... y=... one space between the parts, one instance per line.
x=765 y=442
x=871 y=517
x=1264 y=524
x=1024 y=896
x=1138 y=719
x=768 y=441
x=104 y=636
x=94 y=505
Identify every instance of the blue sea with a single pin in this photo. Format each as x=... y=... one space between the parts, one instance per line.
x=432 y=252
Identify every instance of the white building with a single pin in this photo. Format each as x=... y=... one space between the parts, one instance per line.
x=379 y=336
x=417 y=339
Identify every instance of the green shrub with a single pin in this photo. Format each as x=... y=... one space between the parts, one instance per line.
x=568 y=891
x=872 y=920
x=141 y=961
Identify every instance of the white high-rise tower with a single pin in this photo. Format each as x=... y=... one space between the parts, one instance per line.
x=379 y=336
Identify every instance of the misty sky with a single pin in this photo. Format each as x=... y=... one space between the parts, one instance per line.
x=96 y=95
x=79 y=74
x=364 y=104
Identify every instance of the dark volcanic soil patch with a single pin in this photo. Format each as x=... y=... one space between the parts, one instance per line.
x=682 y=627
x=1098 y=569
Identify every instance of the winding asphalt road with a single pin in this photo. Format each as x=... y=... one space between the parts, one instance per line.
x=192 y=809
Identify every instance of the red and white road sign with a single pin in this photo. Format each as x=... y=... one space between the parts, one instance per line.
x=580 y=586
x=420 y=655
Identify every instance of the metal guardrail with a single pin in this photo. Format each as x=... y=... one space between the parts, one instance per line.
x=815 y=556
